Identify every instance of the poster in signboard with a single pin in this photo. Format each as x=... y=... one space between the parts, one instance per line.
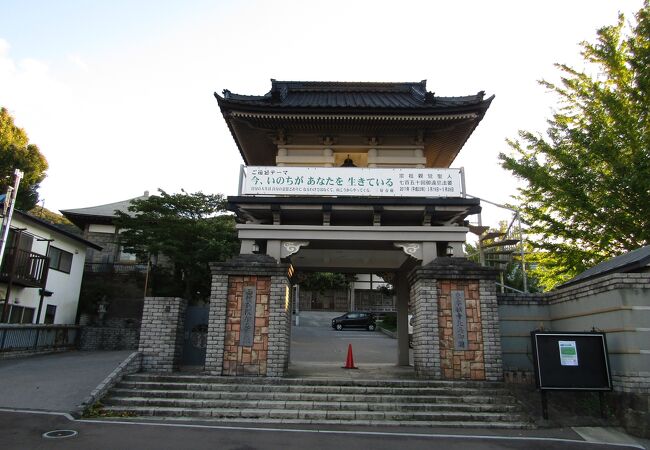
x=568 y=353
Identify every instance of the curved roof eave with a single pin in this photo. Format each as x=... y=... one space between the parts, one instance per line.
x=480 y=107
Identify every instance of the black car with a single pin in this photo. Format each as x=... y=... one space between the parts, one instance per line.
x=354 y=319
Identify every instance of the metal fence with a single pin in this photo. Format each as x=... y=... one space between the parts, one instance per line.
x=115 y=268
x=37 y=338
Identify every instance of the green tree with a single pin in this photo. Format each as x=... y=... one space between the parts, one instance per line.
x=17 y=153
x=190 y=230
x=322 y=281
x=588 y=179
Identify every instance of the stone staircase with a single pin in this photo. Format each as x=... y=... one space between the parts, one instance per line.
x=315 y=401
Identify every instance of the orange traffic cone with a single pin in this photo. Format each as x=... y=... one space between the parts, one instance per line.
x=349 y=362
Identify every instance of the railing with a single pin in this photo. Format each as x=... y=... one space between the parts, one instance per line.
x=115 y=268
x=36 y=338
x=24 y=267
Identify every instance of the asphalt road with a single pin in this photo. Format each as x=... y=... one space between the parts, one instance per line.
x=25 y=431
x=315 y=341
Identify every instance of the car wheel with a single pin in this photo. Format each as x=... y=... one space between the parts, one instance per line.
x=339 y=327
x=371 y=327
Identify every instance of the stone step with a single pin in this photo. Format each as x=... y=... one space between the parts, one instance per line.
x=308 y=415
x=196 y=385
x=298 y=396
x=359 y=422
x=306 y=405
x=326 y=401
x=187 y=378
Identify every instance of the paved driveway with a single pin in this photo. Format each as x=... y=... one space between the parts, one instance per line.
x=55 y=382
x=319 y=350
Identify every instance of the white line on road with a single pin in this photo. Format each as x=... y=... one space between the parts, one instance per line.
x=321 y=431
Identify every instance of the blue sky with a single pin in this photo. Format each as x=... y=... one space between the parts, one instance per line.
x=118 y=95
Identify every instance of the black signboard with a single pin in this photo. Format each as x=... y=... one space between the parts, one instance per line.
x=571 y=361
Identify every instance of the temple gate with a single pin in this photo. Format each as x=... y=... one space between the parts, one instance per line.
x=353 y=177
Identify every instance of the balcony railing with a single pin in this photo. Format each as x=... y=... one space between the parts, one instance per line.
x=115 y=268
x=24 y=268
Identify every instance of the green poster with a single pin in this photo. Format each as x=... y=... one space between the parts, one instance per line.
x=568 y=353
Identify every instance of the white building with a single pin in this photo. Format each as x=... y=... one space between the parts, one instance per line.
x=40 y=275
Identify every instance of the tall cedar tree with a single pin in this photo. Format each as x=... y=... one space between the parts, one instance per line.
x=190 y=230
x=587 y=194
x=17 y=153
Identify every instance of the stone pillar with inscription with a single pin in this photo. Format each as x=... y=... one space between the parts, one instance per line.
x=456 y=324
x=250 y=317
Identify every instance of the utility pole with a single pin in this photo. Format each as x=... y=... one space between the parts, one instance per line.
x=7 y=213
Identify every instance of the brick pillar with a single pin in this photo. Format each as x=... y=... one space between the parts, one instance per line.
x=161 y=333
x=426 y=339
x=216 y=321
x=267 y=352
x=461 y=343
x=279 y=326
x=491 y=333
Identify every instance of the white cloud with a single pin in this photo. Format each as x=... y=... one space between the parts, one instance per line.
x=78 y=62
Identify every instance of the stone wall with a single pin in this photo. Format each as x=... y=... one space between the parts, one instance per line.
x=109 y=338
x=107 y=241
x=161 y=333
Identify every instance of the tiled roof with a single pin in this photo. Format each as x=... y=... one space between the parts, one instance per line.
x=323 y=94
x=107 y=210
x=623 y=263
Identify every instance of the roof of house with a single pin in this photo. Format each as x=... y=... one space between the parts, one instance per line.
x=57 y=229
x=100 y=213
x=351 y=108
x=343 y=95
x=627 y=262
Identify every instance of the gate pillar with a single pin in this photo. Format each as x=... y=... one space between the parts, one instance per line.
x=250 y=317
x=456 y=322
x=161 y=333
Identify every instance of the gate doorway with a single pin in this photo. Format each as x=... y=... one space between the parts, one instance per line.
x=195 y=335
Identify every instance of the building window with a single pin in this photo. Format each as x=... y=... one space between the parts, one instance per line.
x=50 y=312
x=60 y=259
x=20 y=314
x=126 y=257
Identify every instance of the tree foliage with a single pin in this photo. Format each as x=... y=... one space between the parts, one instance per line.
x=190 y=230
x=50 y=216
x=587 y=189
x=17 y=153
x=322 y=281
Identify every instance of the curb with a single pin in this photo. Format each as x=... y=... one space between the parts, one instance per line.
x=132 y=364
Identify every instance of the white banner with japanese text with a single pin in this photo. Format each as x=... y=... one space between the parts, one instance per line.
x=351 y=181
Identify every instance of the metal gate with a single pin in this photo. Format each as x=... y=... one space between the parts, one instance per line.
x=195 y=336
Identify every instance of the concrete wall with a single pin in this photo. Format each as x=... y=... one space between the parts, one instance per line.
x=618 y=304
